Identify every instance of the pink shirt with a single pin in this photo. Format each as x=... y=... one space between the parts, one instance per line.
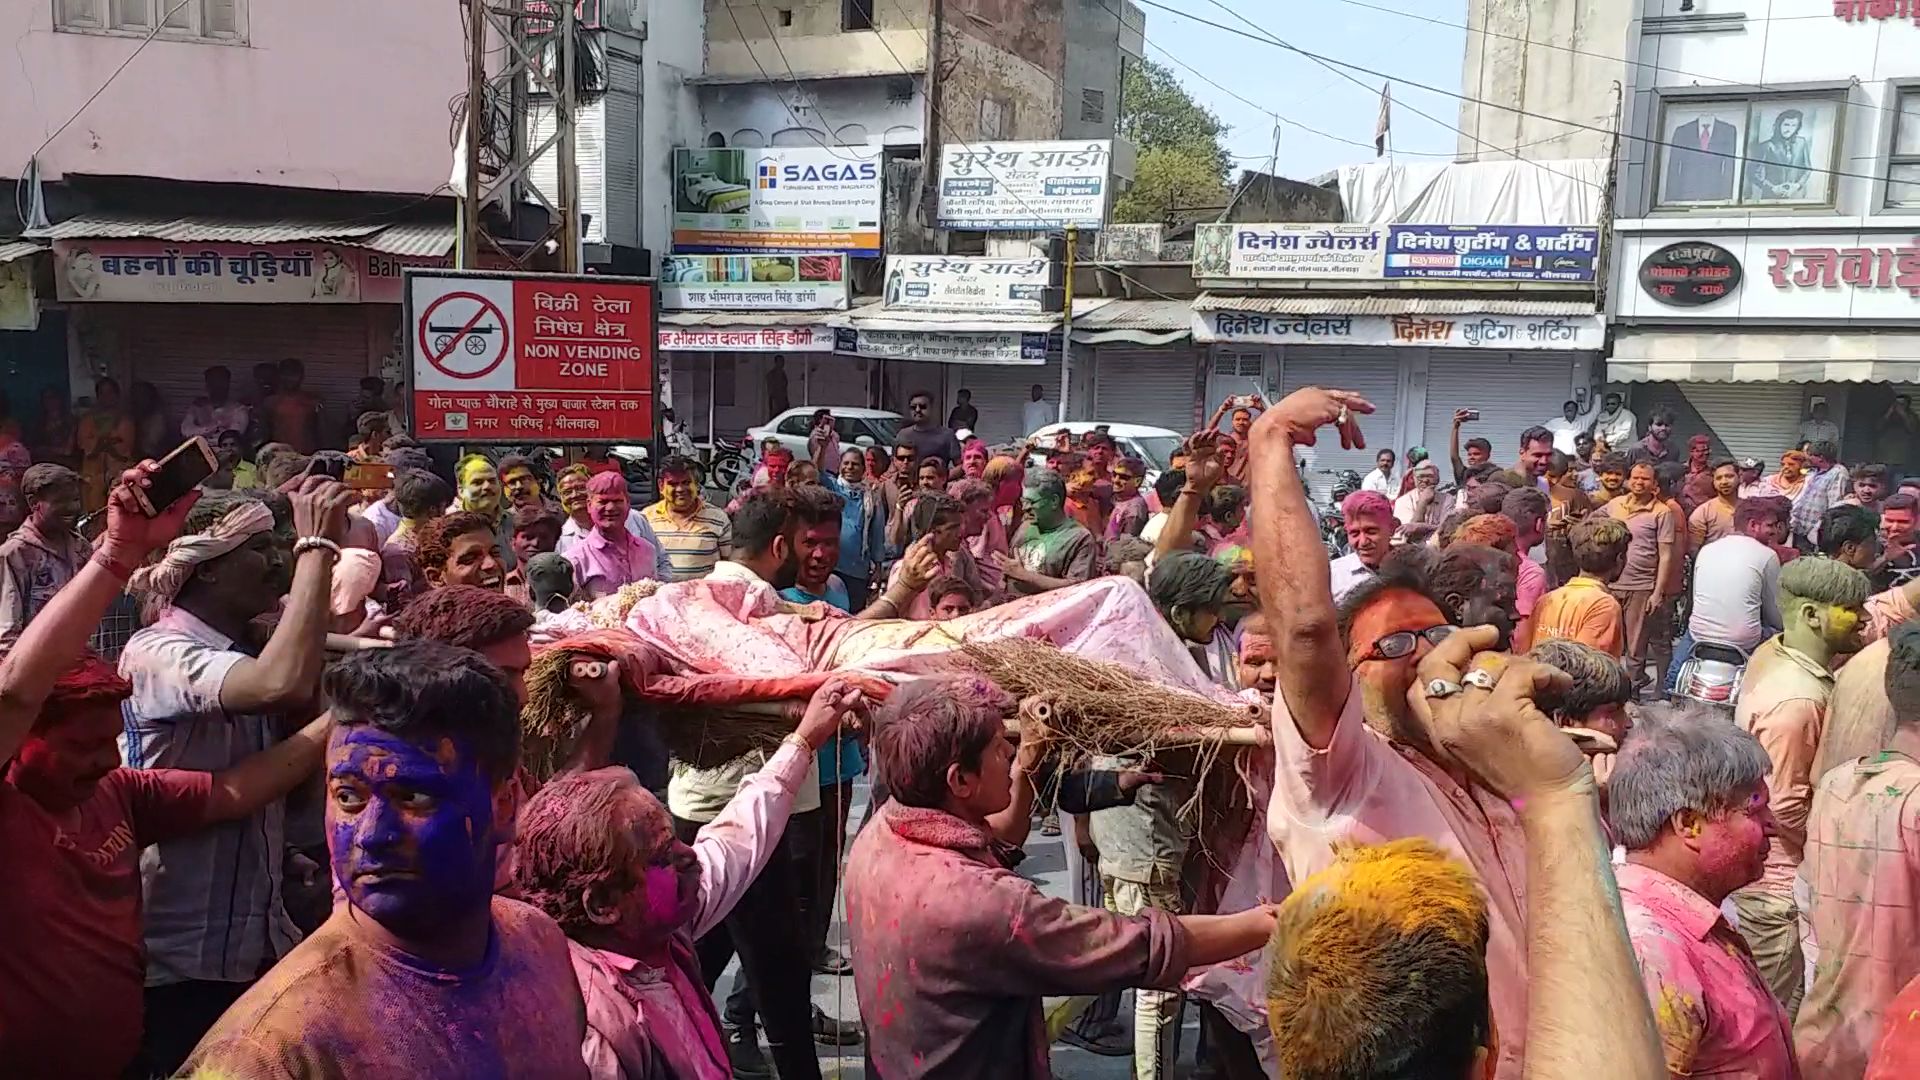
x=1716 y=1014
x=1364 y=789
x=1863 y=879
x=601 y=565
x=1532 y=585
x=992 y=538
x=664 y=1016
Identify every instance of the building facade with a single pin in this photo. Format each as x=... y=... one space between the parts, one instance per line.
x=223 y=199
x=1765 y=260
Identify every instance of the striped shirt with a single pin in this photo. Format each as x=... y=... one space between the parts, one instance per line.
x=694 y=543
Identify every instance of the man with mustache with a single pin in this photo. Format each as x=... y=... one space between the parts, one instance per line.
x=423 y=971
x=610 y=556
x=1353 y=761
x=206 y=695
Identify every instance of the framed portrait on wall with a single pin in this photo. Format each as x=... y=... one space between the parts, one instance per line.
x=1700 y=161
x=1790 y=149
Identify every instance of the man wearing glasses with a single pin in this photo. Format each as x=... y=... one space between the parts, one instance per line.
x=925 y=434
x=1354 y=763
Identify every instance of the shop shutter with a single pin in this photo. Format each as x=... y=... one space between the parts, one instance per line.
x=1513 y=391
x=172 y=345
x=999 y=391
x=1368 y=373
x=1758 y=420
x=828 y=379
x=1751 y=419
x=1145 y=386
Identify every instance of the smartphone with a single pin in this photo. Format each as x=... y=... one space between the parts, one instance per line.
x=332 y=467
x=1473 y=414
x=180 y=472
x=374 y=477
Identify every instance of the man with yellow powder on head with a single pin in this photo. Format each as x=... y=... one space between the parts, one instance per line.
x=480 y=494
x=1783 y=702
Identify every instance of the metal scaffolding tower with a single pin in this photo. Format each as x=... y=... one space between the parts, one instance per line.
x=536 y=40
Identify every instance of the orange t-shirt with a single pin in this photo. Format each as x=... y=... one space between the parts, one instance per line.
x=1581 y=610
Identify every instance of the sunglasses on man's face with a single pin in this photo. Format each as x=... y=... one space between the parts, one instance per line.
x=1401 y=643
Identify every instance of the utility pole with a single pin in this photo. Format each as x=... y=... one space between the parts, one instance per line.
x=543 y=60
x=1066 y=324
x=467 y=247
x=565 y=109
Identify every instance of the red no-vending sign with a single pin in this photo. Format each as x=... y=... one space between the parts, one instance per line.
x=531 y=358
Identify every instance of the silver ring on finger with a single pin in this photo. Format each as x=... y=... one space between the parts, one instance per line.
x=1442 y=688
x=1343 y=417
x=1479 y=677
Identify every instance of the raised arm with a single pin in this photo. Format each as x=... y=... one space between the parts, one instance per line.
x=52 y=641
x=1183 y=517
x=287 y=671
x=266 y=775
x=1453 y=446
x=1296 y=586
x=1213 y=422
x=1584 y=985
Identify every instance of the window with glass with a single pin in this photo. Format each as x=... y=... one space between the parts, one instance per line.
x=208 y=20
x=1903 y=162
x=1767 y=151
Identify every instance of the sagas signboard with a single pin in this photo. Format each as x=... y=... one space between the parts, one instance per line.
x=776 y=199
x=530 y=358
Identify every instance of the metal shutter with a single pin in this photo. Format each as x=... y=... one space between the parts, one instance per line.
x=999 y=391
x=172 y=345
x=1513 y=391
x=1758 y=420
x=1368 y=373
x=589 y=141
x=622 y=165
x=1145 y=386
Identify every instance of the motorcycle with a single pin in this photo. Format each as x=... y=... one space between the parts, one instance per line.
x=1712 y=674
x=1333 y=523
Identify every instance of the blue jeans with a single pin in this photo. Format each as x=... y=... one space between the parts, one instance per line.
x=1682 y=651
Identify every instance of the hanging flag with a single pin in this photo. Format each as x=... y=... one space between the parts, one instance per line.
x=1384 y=124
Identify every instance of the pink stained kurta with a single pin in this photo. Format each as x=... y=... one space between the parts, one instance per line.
x=1364 y=789
x=1716 y=1014
x=991 y=541
x=953 y=952
x=1863 y=880
x=647 y=1023
x=601 y=564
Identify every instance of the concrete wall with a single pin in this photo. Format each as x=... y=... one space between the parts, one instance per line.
x=813 y=45
x=1092 y=63
x=840 y=112
x=1502 y=68
x=674 y=52
x=989 y=93
x=347 y=95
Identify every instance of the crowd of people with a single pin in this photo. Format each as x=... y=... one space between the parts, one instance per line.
x=289 y=830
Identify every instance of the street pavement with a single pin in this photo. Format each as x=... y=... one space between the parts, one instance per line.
x=1046 y=864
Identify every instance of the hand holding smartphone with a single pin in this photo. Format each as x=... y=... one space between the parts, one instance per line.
x=179 y=472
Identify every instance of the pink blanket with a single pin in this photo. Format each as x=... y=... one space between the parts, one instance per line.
x=702 y=627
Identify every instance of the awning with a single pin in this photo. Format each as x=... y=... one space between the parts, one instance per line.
x=1134 y=322
x=1408 y=304
x=18 y=249
x=420 y=239
x=1862 y=356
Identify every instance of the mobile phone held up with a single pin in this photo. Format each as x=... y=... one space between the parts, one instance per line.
x=180 y=471
x=374 y=477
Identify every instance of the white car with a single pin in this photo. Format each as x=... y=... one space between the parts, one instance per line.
x=1153 y=445
x=855 y=426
